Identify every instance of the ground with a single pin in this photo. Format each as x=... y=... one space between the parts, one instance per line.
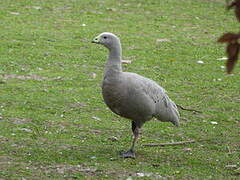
x=54 y=124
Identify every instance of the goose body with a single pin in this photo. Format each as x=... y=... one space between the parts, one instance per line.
x=138 y=98
x=130 y=95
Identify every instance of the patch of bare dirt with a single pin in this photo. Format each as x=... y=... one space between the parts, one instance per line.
x=134 y=175
x=16 y=120
x=77 y=105
x=30 y=77
x=66 y=170
x=5 y=162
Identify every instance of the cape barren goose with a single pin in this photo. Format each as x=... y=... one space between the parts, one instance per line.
x=130 y=95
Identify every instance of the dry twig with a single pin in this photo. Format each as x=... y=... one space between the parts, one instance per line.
x=170 y=144
x=186 y=109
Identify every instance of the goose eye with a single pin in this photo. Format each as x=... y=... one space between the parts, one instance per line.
x=104 y=37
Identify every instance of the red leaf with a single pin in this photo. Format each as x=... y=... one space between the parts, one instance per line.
x=230 y=6
x=229 y=37
x=235 y=4
x=237 y=12
x=232 y=52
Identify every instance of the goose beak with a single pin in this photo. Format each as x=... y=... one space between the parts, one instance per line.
x=96 y=40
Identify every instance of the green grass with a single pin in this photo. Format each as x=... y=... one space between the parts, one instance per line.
x=53 y=122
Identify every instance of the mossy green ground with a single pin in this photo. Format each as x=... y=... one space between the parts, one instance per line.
x=53 y=122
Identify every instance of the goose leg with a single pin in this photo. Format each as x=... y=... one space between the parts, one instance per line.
x=130 y=153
